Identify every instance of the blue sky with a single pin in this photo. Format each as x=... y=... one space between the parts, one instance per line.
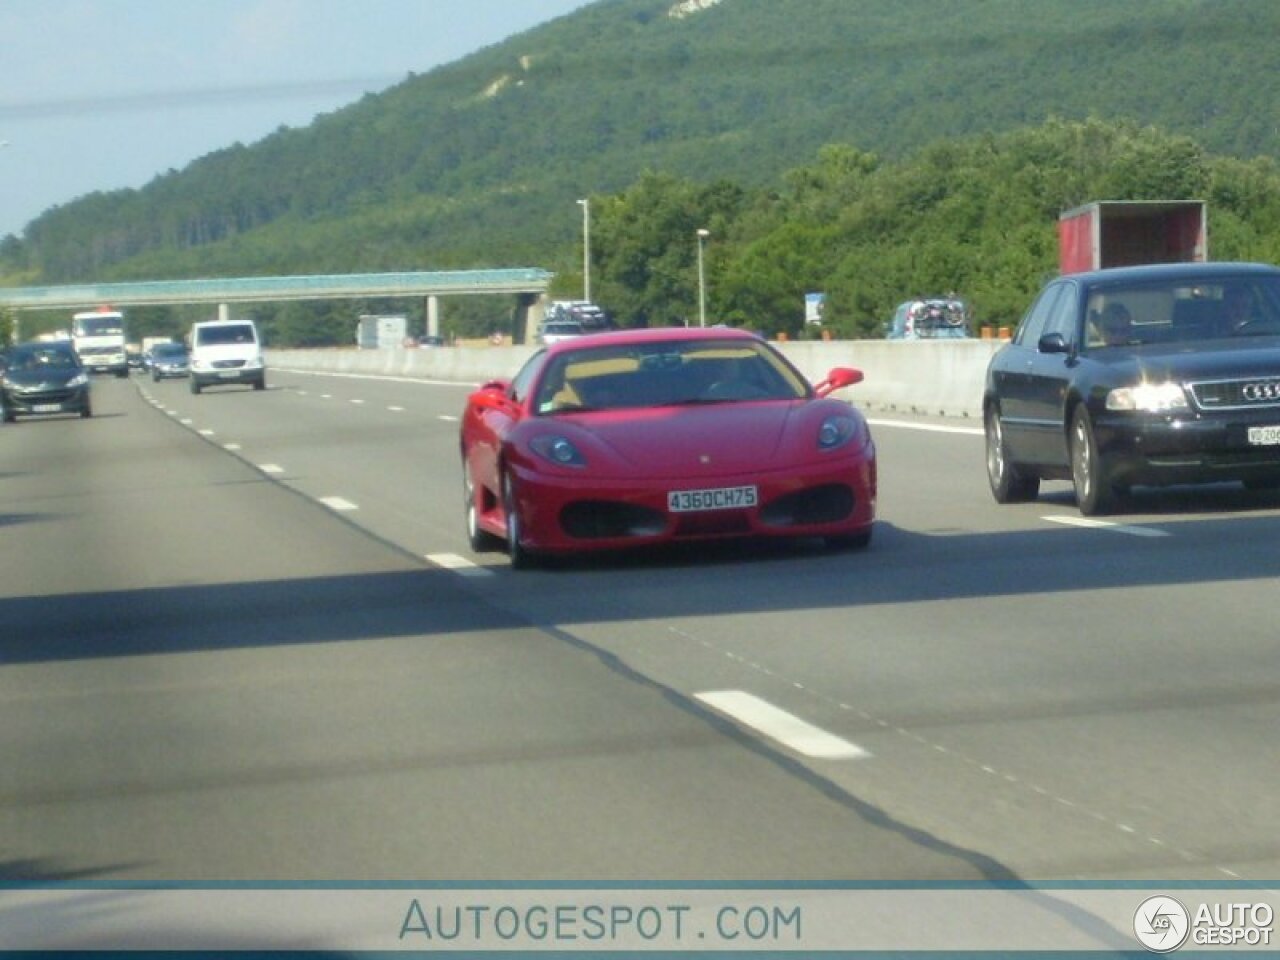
x=103 y=94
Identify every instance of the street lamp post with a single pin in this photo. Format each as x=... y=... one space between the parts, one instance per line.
x=585 y=203
x=703 y=233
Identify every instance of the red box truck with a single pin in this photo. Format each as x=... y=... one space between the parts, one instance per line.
x=1121 y=233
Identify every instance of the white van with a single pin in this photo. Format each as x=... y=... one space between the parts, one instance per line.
x=226 y=351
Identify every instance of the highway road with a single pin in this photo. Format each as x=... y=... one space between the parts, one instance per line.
x=242 y=638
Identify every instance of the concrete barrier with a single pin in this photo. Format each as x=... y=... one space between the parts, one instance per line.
x=930 y=377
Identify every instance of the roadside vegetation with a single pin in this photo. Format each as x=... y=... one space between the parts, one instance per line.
x=898 y=157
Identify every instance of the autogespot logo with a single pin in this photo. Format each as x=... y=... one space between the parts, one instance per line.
x=1161 y=924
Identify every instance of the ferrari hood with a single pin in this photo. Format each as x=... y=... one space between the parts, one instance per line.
x=687 y=441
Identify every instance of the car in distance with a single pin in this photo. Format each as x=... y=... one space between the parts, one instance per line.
x=930 y=318
x=572 y=318
x=554 y=331
x=43 y=377
x=169 y=360
x=226 y=352
x=1132 y=376
x=634 y=438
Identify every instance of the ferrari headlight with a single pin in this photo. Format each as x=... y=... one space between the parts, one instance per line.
x=1148 y=398
x=835 y=431
x=559 y=450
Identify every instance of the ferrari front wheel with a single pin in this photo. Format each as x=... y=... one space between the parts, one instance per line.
x=521 y=559
x=480 y=540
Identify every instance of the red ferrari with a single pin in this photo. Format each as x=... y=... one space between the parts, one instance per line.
x=631 y=438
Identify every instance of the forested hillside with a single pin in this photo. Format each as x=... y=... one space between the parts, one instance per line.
x=866 y=149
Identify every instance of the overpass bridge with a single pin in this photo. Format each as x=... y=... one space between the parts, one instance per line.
x=527 y=284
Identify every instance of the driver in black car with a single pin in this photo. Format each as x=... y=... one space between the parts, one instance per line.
x=1237 y=304
x=1115 y=325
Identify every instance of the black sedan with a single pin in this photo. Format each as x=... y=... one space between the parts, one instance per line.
x=43 y=377
x=1134 y=376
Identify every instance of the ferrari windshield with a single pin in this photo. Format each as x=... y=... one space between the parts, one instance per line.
x=660 y=374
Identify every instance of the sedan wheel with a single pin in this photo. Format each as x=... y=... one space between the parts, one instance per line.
x=521 y=559
x=1008 y=483
x=1095 y=493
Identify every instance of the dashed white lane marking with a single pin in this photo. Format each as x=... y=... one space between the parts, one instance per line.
x=416 y=381
x=270 y=468
x=206 y=432
x=459 y=565
x=448 y=418
x=231 y=446
x=1005 y=776
x=776 y=724
x=357 y=401
x=395 y=409
x=1092 y=524
x=338 y=503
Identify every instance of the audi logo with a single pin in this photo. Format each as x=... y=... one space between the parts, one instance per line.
x=1265 y=390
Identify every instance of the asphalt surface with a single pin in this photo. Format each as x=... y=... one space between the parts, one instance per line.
x=242 y=637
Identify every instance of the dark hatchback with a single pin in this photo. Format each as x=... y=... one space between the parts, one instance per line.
x=43 y=378
x=169 y=360
x=1135 y=376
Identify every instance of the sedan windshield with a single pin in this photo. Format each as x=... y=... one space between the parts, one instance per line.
x=665 y=374
x=1174 y=312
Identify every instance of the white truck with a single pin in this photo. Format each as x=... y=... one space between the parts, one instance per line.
x=381 y=332
x=99 y=339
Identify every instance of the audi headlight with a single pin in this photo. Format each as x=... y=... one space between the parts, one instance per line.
x=835 y=431
x=559 y=450
x=1149 y=398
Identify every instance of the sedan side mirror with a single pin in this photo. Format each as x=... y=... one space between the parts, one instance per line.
x=1053 y=343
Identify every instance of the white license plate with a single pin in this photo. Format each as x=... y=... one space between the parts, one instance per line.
x=1264 y=436
x=228 y=374
x=46 y=408
x=721 y=498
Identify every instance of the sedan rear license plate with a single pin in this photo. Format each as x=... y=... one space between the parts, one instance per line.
x=46 y=408
x=720 y=498
x=228 y=374
x=1264 y=436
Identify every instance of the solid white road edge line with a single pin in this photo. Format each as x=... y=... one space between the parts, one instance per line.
x=928 y=427
x=776 y=724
